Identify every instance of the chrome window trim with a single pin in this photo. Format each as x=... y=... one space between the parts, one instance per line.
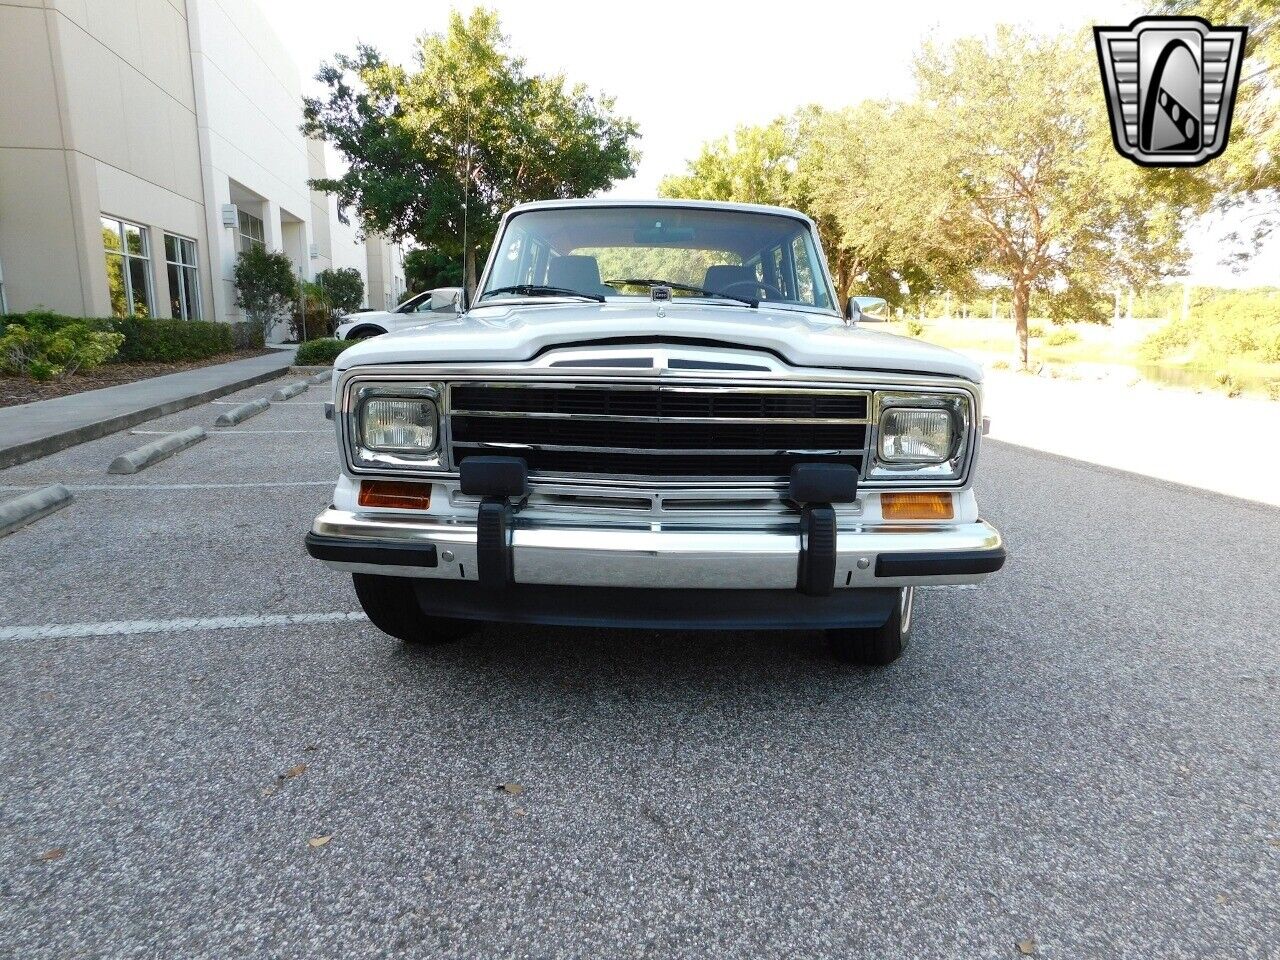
x=836 y=311
x=832 y=382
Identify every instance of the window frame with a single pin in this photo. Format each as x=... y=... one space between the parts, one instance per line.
x=247 y=239
x=125 y=255
x=183 y=267
x=820 y=268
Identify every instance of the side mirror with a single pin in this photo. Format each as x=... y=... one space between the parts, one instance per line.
x=444 y=300
x=875 y=309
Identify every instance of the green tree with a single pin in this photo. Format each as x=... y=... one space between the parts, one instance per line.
x=1249 y=171
x=469 y=123
x=426 y=268
x=265 y=286
x=811 y=161
x=343 y=288
x=1006 y=155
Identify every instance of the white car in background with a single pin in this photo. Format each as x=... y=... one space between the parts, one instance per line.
x=419 y=309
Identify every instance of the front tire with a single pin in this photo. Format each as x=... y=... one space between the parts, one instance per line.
x=393 y=608
x=879 y=646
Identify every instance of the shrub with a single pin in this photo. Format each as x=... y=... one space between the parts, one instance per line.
x=265 y=286
x=1000 y=365
x=1035 y=331
x=1273 y=389
x=1060 y=338
x=343 y=288
x=1231 y=325
x=150 y=340
x=43 y=351
x=320 y=353
x=247 y=336
x=318 y=321
x=914 y=328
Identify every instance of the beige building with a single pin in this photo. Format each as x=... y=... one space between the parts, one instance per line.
x=143 y=145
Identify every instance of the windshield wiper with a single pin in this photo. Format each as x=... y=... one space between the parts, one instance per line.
x=686 y=289
x=537 y=290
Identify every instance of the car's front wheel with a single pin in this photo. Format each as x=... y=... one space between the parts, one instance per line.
x=392 y=607
x=881 y=645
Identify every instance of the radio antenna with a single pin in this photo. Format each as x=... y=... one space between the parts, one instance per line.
x=466 y=196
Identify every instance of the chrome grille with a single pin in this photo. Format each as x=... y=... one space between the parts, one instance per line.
x=658 y=431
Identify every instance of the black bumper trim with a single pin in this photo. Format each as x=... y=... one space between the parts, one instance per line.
x=343 y=550
x=654 y=609
x=939 y=564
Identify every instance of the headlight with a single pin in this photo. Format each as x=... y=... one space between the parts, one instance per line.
x=921 y=437
x=916 y=435
x=394 y=426
x=399 y=425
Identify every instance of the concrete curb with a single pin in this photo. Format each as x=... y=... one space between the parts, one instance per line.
x=31 y=506
x=292 y=390
x=157 y=450
x=43 y=446
x=323 y=377
x=241 y=413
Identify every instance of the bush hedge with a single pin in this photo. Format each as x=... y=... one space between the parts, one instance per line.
x=320 y=353
x=45 y=352
x=149 y=339
x=1244 y=324
x=164 y=341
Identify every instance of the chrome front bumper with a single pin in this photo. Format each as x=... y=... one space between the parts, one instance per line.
x=679 y=558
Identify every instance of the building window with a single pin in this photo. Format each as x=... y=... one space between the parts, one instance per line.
x=342 y=216
x=128 y=268
x=184 y=277
x=252 y=232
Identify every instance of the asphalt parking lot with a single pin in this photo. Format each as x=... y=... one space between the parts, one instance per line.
x=1078 y=759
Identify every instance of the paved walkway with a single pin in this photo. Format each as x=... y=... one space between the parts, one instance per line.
x=1205 y=440
x=37 y=429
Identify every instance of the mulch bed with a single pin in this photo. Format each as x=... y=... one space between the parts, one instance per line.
x=16 y=390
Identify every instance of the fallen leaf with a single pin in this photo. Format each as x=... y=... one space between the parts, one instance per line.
x=511 y=789
x=1221 y=898
x=268 y=791
x=292 y=772
x=311 y=746
x=1274 y=841
x=520 y=811
x=57 y=853
x=320 y=841
x=1027 y=947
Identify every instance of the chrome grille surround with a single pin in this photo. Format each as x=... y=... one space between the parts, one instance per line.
x=808 y=384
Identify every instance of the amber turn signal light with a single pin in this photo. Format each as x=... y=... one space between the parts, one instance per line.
x=916 y=506
x=401 y=494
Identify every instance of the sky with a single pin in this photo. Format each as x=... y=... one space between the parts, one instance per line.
x=693 y=70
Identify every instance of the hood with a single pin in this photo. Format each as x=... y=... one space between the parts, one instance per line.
x=374 y=315
x=519 y=332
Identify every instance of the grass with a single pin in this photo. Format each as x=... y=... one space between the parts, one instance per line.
x=1096 y=350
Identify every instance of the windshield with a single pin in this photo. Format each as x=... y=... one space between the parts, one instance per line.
x=408 y=306
x=718 y=256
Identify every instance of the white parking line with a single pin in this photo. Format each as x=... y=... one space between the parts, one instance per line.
x=127 y=628
x=232 y=432
x=181 y=486
x=292 y=403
